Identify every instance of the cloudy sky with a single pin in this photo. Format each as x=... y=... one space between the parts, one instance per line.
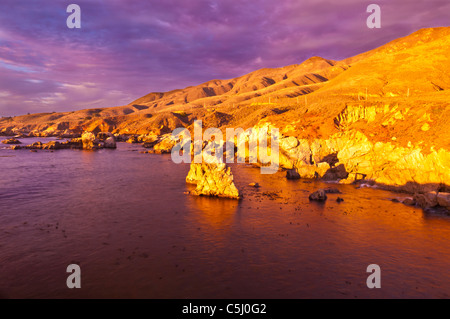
x=128 y=48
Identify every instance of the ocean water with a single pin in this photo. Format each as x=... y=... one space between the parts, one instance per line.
x=125 y=219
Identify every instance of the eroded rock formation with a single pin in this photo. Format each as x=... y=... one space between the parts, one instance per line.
x=212 y=180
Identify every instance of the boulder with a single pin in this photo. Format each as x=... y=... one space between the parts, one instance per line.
x=110 y=142
x=166 y=144
x=212 y=180
x=292 y=174
x=11 y=141
x=319 y=195
x=307 y=171
x=89 y=141
x=426 y=200
x=443 y=200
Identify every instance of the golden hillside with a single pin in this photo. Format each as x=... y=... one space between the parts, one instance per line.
x=399 y=90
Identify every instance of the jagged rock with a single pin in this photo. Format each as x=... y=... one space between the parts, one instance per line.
x=335 y=173
x=318 y=195
x=165 y=144
x=11 y=141
x=306 y=171
x=212 y=180
x=120 y=137
x=292 y=174
x=332 y=191
x=52 y=145
x=443 y=200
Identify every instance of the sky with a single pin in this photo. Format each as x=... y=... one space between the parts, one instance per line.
x=128 y=48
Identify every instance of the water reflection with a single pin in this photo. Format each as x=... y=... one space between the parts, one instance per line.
x=217 y=213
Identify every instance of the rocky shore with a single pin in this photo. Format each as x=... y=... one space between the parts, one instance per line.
x=346 y=157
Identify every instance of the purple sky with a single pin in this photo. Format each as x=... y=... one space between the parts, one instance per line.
x=128 y=48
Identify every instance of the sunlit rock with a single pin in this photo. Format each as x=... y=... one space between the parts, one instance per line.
x=212 y=180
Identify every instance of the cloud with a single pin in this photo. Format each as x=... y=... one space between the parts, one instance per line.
x=126 y=49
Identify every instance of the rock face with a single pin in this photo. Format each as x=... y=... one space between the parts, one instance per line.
x=11 y=141
x=319 y=195
x=212 y=180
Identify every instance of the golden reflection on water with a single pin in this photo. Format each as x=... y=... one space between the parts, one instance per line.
x=218 y=213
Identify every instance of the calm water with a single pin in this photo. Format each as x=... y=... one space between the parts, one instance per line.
x=124 y=218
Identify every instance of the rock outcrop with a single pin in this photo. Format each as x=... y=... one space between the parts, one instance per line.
x=212 y=180
x=102 y=140
x=11 y=141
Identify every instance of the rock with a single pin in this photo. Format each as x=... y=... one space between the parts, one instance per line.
x=110 y=142
x=103 y=136
x=427 y=200
x=425 y=127
x=288 y=143
x=133 y=139
x=165 y=144
x=292 y=174
x=307 y=171
x=336 y=173
x=11 y=141
x=409 y=201
x=120 y=137
x=443 y=200
x=332 y=191
x=254 y=185
x=339 y=199
x=322 y=168
x=212 y=180
x=89 y=141
x=318 y=195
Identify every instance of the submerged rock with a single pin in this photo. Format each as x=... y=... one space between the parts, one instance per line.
x=11 y=141
x=212 y=180
x=409 y=201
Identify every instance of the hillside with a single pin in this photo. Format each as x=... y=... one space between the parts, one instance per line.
x=397 y=88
